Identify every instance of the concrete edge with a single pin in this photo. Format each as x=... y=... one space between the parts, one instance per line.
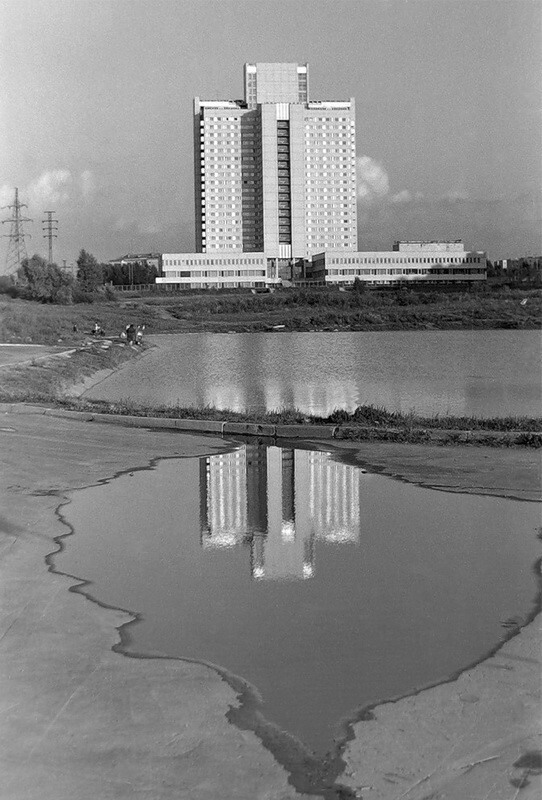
x=301 y=431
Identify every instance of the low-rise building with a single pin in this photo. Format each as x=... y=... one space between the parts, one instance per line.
x=220 y=269
x=409 y=261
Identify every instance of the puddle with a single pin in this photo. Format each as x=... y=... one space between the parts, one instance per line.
x=325 y=587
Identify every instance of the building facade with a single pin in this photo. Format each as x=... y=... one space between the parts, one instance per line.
x=275 y=172
x=409 y=261
x=275 y=196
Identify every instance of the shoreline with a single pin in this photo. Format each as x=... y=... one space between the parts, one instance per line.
x=285 y=767
x=390 y=455
x=310 y=773
x=61 y=384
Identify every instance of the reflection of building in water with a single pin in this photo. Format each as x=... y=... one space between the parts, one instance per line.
x=223 y=503
x=333 y=499
x=278 y=501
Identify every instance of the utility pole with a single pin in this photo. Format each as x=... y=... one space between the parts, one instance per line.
x=16 y=248
x=50 y=231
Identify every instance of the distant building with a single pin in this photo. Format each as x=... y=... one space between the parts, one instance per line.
x=275 y=196
x=275 y=182
x=151 y=259
x=526 y=269
x=409 y=261
x=275 y=173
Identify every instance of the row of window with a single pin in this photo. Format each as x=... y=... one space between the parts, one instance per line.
x=328 y=149
x=223 y=285
x=406 y=271
x=326 y=227
x=331 y=205
x=327 y=239
x=343 y=136
x=396 y=260
x=308 y=159
x=208 y=121
x=216 y=273
x=194 y=262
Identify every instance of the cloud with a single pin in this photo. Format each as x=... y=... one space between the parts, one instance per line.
x=373 y=181
x=7 y=195
x=374 y=186
x=52 y=189
x=402 y=197
x=405 y=196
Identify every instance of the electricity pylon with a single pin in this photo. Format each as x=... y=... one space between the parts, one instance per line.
x=16 y=251
x=50 y=231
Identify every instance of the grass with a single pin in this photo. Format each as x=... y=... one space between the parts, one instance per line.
x=48 y=380
x=365 y=423
x=295 y=309
x=363 y=416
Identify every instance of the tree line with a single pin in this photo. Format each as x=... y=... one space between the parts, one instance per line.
x=37 y=279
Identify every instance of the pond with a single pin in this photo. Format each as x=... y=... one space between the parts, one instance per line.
x=461 y=373
x=325 y=586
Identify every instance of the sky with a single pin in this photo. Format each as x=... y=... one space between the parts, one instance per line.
x=96 y=104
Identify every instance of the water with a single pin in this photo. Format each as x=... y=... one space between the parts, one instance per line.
x=324 y=586
x=472 y=373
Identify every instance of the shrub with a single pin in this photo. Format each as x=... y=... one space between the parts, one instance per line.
x=39 y=280
x=8 y=286
x=64 y=296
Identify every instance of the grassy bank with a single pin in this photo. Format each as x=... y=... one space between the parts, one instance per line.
x=48 y=381
x=297 y=310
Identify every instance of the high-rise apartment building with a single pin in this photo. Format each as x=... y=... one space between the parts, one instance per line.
x=275 y=194
x=275 y=173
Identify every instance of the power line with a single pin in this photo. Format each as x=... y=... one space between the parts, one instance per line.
x=50 y=231
x=16 y=251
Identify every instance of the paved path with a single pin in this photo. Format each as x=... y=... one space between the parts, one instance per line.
x=11 y=354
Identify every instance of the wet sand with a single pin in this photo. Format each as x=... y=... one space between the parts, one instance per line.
x=81 y=720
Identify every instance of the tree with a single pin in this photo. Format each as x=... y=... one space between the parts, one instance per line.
x=42 y=281
x=137 y=272
x=89 y=272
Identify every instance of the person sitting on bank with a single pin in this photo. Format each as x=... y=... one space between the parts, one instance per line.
x=131 y=333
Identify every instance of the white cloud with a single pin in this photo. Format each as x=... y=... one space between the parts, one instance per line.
x=405 y=196
x=7 y=195
x=402 y=197
x=51 y=189
x=373 y=181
